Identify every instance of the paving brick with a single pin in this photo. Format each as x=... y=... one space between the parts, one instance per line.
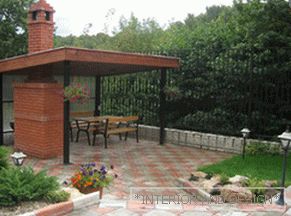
x=196 y=213
x=122 y=212
x=159 y=213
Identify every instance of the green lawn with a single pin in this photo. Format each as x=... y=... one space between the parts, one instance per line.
x=262 y=167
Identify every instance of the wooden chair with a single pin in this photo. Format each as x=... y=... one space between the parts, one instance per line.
x=79 y=125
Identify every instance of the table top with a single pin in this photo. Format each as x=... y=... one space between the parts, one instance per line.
x=96 y=118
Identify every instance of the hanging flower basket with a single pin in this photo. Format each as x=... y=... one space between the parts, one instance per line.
x=77 y=93
x=173 y=93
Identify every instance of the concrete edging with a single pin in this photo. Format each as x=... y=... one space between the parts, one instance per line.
x=59 y=209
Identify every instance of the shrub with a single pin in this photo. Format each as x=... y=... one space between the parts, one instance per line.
x=3 y=158
x=57 y=196
x=224 y=179
x=256 y=148
x=18 y=185
x=256 y=185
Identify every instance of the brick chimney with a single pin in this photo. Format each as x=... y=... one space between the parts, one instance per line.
x=38 y=104
x=40 y=27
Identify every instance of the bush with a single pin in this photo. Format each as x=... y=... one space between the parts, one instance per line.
x=256 y=185
x=3 y=158
x=256 y=148
x=18 y=185
x=57 y=196
x=224 y=179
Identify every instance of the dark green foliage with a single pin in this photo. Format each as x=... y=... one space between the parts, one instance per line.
x=262 y=167
x=3 y=157
x=17 y=185
x=256 y=148
x=13 y=27
x=57 y=196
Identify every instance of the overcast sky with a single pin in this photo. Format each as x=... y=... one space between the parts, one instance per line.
x=73 y=15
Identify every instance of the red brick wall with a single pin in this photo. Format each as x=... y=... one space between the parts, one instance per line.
x=39 y=121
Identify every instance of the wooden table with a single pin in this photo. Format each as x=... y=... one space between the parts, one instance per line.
x=86 y=123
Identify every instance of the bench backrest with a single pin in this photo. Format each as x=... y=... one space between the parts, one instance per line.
x=123 y=119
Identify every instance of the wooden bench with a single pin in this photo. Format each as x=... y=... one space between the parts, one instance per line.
x=118 y=125
x=80 y=126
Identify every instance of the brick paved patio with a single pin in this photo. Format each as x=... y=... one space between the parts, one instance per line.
x=144 y=164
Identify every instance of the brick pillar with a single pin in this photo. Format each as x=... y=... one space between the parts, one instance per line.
x=39 y=120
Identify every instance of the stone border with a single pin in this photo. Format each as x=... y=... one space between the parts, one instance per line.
x=243 y=207
x=66 y=207
x=196 y=139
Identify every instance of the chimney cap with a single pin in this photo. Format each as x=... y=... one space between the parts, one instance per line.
x=41 y=5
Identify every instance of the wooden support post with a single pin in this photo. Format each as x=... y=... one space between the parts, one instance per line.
x=97 y=95
x=67 y=71
x=1 y=111
x=163 y=79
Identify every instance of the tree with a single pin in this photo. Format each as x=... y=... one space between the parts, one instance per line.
x=13 y=27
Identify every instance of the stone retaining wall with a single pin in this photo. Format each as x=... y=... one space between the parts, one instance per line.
x=196 y=139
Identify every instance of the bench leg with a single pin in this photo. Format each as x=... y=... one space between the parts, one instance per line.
x=136 y=134
x=120 y=137
x=88 y=137
x=105 y=137
x=126 y=134
x=94 y=138
x=77 y=138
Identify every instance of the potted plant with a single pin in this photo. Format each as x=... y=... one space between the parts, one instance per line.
x=90 y=179
x=77 y=93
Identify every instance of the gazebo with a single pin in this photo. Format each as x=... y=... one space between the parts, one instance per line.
x=41 y=115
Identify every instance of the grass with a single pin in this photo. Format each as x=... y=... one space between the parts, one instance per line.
x=262 y=167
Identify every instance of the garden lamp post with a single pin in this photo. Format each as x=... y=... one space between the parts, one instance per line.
x=245 y=133
x=18 y=158
x=285 y=144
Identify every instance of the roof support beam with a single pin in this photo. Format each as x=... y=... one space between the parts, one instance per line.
x=97 y=95
x=67 y=72
x=163 y=79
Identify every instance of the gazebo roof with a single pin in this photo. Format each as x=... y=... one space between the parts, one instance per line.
x=86 y=62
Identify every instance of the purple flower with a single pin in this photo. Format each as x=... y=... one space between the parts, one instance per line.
x=103 y=167
x=93 y=164
x=103 y=172
x=84 y=172
x=90 y=172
